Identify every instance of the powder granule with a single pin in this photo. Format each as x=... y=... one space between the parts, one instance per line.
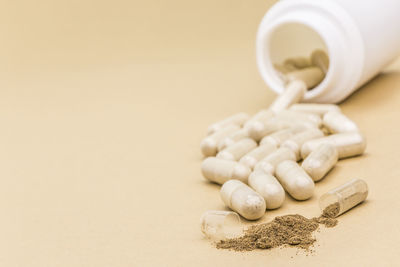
x=289 y=230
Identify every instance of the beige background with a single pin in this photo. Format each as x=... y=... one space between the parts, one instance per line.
x=103 y=105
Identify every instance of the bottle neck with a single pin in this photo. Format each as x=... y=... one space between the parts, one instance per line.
x=303 y=23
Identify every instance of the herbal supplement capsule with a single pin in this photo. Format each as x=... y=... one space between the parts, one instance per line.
x=233 y=138
x=341 y=199
x=242 y=199
x=299 y=116
x=295 y=143
x=320 y=161
x=347 y=144
x=293 y=93
x=277 y=138
x=219 y=224
x=297 y=62
x=209 y=144
x=220 y=170
x=268 y=187
x=261 y=116
x=295 y=180
x=283 y=69
x=312 y=76
x=319 y=109
x=237 y=119
x=320 y=59
x=269 y=163
x=255 y=155
x=337 y=122
x=237 y=150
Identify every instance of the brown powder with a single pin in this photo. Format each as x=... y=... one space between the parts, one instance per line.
x=289 y=230
x=331 y=211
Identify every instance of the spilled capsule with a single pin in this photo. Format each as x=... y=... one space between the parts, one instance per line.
x=277 y=138
x=268 y=187
x=320 y=161
x=269 y=163
x=293 y=93
x=220 y=170
x=237 y=119
x=232 y=138
x=242 y=199
x=237 y=150
x=295 y=180
x=319 y=109
x=258 y=153
x=337 y=122
x=347 y=144
x=295 y=143
x=209 y=145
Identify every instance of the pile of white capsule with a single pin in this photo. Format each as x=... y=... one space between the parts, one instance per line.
x=286 y=147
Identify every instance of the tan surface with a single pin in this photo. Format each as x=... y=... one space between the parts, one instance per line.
x=103 y=105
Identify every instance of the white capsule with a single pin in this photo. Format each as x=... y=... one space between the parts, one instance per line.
x=320 y=59
x=237 y=119
x=337 y=122
x=258 y=153
x=297 y=62
x=344 y=197
x=299 y=116
x=242 y=199
x=293 y=93
x=347 y=144
x=220 y=224
x=277 y=138
x=268 y=187
x=209 y=145
x=320 y=161
x=269 y=163
x=232 y=138
x=283 y=69
x=311 y=76
x=295 y=180
x=319 y=109
x=260 y=117
x=220 y=170
x=295 y=143
x=237 y=150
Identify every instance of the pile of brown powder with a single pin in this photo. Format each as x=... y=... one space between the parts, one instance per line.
x=289 y=230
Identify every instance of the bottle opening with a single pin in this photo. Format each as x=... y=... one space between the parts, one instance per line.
x=288 y=48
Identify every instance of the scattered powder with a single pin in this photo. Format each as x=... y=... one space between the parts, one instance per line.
x=289 y=230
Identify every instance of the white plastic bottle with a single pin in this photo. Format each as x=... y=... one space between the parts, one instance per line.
x=361 y=37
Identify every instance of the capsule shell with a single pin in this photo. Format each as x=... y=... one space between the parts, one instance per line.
x=209 y=145
x=237 y=150
x=342 y=198
x=297 y=63
x=268 y=187
x=220 y=170
x=320 y=59
x=232 y=138
x=295 y=180
x=293 y=93
x=319 y=109
x=260 y=117
x=269 y=163
x=312 y=76
x=277 y=138
x=295 y=143
x=337 y=122
x=237 y=119
x=299 y=116
x=347 y=144
x=242 y=199
x=254 y=156
x=320 y=161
